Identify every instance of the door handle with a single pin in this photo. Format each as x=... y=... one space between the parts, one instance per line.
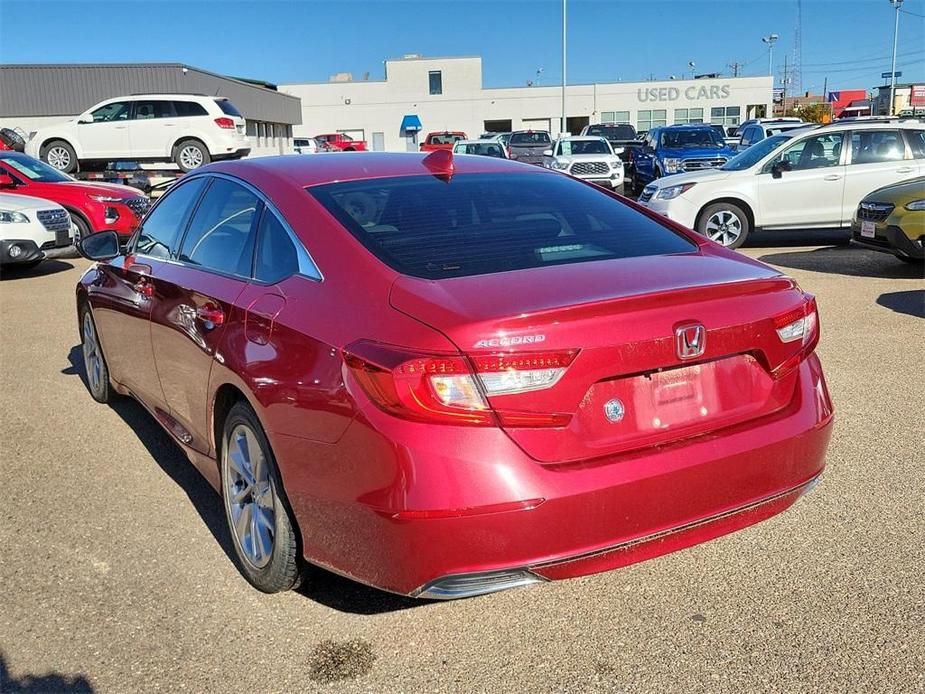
x=905 y=169
x=210 y=314
x=120 y=127
x=832 y=177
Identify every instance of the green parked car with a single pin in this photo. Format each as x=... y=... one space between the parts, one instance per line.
x=892 y=220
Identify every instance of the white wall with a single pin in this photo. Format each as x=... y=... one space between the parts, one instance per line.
x=464 y=105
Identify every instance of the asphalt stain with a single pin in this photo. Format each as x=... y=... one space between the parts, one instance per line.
x=334 y=661
x=699 y=618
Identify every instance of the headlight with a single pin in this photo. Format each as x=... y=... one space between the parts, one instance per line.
x=671 y=192
x=106 y=198
x=10 y=217
x=616 y=165
x=561 y=165
x=916 y=206
x=672 y=165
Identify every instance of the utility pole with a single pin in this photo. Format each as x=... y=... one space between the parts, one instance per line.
x=784 y=79
x=770 y=39
x=896 y=5
x=735 y=68
x=564 y=11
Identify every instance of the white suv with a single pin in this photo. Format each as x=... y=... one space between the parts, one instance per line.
x=589 y=158
x=801 y=179
x=187 y=129
x=30 y=226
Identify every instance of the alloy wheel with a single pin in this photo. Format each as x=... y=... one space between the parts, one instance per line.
x=58 y=158
x=724 y=227
x=191 y=157
x=250 y=496
x=93 y=360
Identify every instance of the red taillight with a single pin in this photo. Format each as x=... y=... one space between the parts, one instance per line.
x=454 y=389
x=225 y=123
x=800 y=325
x=510 y=154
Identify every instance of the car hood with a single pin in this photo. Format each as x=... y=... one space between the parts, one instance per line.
x=17 y=203
x=703 y=176
x=898 y=192
x=688 y=152
x=113 y=190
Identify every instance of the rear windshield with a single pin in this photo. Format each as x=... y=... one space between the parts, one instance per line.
x=477 y=224
x=445 y=138
x=228 y=108
x=613 y=132
x=486 y=149
x=540 y=137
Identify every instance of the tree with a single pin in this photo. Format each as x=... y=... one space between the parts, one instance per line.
x=812 y=113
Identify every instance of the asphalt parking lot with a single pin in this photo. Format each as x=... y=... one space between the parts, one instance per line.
x=116 y=572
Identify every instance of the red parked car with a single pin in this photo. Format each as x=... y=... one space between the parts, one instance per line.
x=93 y=206
x=338 y=142
x=443 y=140
x=389 y=370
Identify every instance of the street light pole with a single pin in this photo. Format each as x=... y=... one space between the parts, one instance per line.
x=562 y=126
x=896 y=5
x=770 y=39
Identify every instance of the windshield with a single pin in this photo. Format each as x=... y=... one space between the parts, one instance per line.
x=476 y=224
x=754 y=154
x=539 y=137
x=33 y=169
x=702 y=137
x=570 y=147
x=613 y=132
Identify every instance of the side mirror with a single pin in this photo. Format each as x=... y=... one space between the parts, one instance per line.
x=85 y=118
x=777 y=170
x=547 y=152
x=6 y=181
x=103 y=245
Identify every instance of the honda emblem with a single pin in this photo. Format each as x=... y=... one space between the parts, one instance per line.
x=690 y=341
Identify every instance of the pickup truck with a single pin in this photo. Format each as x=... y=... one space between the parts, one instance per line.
x=442 y=140
x=528 y=146
x=338 y=142
x=621 y=136
x=676 y=149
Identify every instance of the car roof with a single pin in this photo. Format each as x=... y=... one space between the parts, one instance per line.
x=685 y=126
x=481 y=141
x=352 y=166
x=584 y=137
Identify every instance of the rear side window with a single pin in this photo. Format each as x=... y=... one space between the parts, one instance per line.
x=220 y=236
x=164 y=224
x=277 y=257
x=145 y=110
x=876 y=146
x=917 y=143
x=228 y=108
x=484 y=223
x=185 y=109
x=535 y=138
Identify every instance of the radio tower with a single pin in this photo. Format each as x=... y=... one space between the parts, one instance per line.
x=796 y=71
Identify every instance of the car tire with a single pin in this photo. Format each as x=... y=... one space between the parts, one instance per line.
x=60 y=156
x=266 y=546
x=191 y=154
x=724 y=222
x=94 y=361
x=83 y=229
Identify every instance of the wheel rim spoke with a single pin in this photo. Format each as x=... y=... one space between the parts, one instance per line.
x=249 y=496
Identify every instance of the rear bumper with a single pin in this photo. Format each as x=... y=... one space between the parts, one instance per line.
x=464 y=511
x=235 y=154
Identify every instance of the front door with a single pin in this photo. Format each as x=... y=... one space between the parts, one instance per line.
x=878 y=158
x=107 y=137
x=195 y=299
x=810 y=192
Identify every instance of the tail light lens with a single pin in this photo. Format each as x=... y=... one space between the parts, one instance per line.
x=453 y=389
x=799 y=325
x=225 y=123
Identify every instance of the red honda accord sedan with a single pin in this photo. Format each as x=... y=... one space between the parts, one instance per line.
x=449 y=377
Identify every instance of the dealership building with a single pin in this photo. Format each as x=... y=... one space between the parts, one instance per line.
x=419 y=95
x=32 y=96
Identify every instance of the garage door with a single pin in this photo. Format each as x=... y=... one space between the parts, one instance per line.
x=536 y=124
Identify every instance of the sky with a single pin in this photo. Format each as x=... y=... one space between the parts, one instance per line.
x=847 y=42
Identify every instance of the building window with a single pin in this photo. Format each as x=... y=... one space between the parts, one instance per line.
x=651 y=119
x=683 y=116
x=725 y=115
x=436 y=81
x=615 y=116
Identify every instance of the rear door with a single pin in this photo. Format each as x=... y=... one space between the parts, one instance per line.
x=153 y=128
x=810 y=193
x=877 y=158
x=194 y=301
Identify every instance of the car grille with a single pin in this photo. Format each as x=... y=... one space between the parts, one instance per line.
x=590 y=168
x=707 y=163
x=139 y=205
x=645 y=195
x=59 y=222
x=874 y=211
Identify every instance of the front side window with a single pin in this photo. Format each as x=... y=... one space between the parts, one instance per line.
x=817 y=152
x=166 y=221
x=876 y=146
x=652 y=118
x=917 y=143
x=435 y=79
x=476 y=224
x=118 y=110
x=220 y=234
